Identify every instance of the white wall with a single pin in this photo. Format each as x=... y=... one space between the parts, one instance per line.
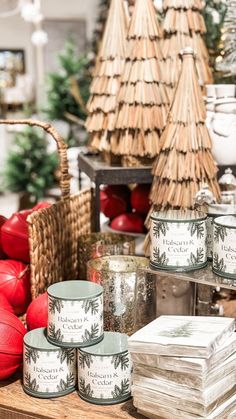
x=85 y=9
x=16 y=33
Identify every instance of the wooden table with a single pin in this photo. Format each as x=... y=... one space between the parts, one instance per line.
x=15 y=404
x=102 y=173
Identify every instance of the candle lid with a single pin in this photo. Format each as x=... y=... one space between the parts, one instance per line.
x=74 y=290
x=178 y=216
x=226 y=221
x=112 y=344
x=37 y=339
x=221 y=209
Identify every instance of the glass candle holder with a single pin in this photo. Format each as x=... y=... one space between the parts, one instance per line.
x=95 y=245
x=157 y=295
x=118 y=276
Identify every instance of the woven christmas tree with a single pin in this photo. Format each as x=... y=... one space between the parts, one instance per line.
x=228 y=63
x=143 y=100
x=185 y=161
x=183 y=26
x=102 y=103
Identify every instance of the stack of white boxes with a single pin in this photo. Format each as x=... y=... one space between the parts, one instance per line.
x=185 y=367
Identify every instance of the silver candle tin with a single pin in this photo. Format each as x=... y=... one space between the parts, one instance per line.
x=49 y=371
x=75 y=313
x=216 y=210
x=178 y=240
x=104 y=370
x=224 y=246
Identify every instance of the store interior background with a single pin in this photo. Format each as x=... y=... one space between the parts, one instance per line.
x=74 y=19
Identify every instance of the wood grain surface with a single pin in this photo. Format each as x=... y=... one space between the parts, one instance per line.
x=15 y=404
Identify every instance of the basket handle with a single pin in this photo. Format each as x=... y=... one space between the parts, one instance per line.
x=64 y=180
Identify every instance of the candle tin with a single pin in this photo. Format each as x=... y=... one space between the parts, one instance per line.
x=178 y=240
x=118 y=276
x=104 y=370
x=224 y=246
x=48 y=370
x=75 y=313
x=214 y=211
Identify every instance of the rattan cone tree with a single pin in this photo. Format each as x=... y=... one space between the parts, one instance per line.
x=183 y=25
x=185 y=161
x=143 y=101
x=106 y=78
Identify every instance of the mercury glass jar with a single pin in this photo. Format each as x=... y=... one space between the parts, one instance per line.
x=118 y=276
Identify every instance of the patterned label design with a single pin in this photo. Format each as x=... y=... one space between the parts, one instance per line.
x=104 y=377
x=75 y=321
x=178 y=244
x=49 y=371
x=224 y=249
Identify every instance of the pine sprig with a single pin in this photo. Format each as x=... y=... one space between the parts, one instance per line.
x=121 y=360
x=31 y=354
x=91 y=334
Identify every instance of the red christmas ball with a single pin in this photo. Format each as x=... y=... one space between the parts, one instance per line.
x=15 y=284
x=37 y=312
x=119 y=190
x=4 y=303
x=132 y=223
x=12 y=332
x=2 y=221
x=140 y=199
x=112 y=205
x=15 y=236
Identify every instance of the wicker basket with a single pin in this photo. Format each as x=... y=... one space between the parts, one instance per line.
x=54 y=232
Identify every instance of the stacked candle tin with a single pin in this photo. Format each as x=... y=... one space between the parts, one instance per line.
x=75 y=320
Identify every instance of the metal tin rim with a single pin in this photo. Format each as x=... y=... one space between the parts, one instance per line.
x=190 y=220
x=178 y=268
x=42 y=395
x=223 y=225
x=105 y=401
x=57 y=348
x=79 y=345
x=76 y=299
x=224 y=274
x=99 y=355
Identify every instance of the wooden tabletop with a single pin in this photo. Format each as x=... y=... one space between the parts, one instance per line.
x=15 y=404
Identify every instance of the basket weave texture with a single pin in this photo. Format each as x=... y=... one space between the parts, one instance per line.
x=54 y=232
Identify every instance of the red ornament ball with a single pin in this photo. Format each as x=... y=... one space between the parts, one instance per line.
x=15 y=284
x=132 y=223
x=4 y=303
x=37 y=312
x=112 y=205
x=2 y=221
x=15 y=236
x=140 y=199
x=12 y=332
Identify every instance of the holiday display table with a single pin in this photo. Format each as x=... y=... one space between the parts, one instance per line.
x=15 y=404
x=101 y=173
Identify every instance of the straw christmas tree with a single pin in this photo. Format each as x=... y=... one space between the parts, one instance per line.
x=183 y=26
x=185 y=161
x=106 y=78
x=142 y=98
